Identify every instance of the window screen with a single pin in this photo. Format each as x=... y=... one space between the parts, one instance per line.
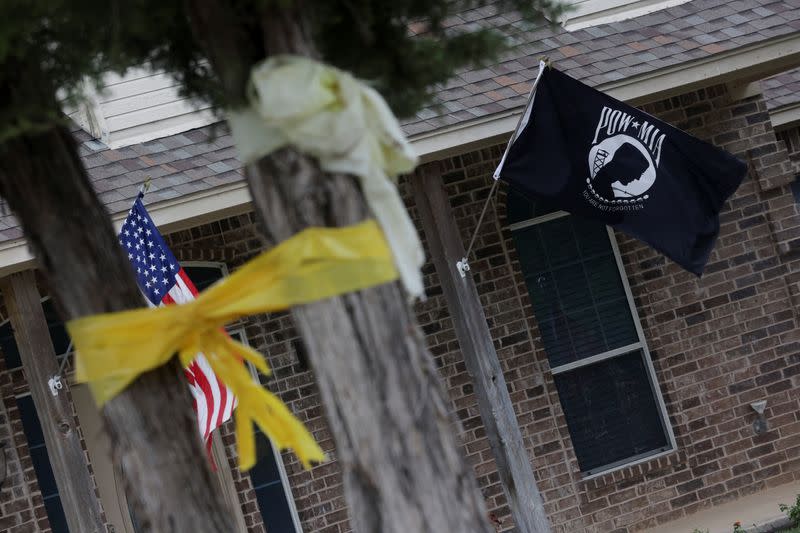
x=600 y=364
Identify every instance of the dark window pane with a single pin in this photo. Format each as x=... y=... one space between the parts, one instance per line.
x=41 y=464
x=44 y=472
x=611 y=411
x=266 y=470
x=55 y=514
x=575 y=288
x=8 y=344
x=30 y=421
x=203 y=276
x=58 y=333
x=275 y=509
x=270 y=492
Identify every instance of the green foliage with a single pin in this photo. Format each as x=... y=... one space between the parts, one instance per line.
x=792 y=511
x=49 y=46
x=371 y=39
x=52 y=48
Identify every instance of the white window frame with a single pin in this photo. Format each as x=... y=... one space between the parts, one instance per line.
x=587 y=13
x=641 y=344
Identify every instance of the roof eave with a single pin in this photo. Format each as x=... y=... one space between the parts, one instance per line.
x=746 y=63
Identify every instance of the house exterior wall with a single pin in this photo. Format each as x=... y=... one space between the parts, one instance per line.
x=718 y=343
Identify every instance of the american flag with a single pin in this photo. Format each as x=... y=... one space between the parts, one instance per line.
x=164 y=282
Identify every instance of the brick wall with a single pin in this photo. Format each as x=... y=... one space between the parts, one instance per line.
x=22 y=508
x=21 y=505
x=717 y=343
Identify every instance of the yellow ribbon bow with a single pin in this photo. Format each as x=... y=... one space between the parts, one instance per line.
x=112 y=349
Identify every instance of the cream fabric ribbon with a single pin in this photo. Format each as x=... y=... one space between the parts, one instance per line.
x=348 y=127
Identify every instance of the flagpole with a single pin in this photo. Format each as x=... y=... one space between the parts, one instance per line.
x=463 y=265
x=523 y=119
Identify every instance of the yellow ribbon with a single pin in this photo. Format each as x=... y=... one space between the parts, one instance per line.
x=113 y=349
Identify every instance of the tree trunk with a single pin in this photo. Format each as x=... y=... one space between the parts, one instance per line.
x=151 y=424
x=403 y=470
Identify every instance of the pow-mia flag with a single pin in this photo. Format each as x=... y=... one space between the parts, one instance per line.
x=596 y=157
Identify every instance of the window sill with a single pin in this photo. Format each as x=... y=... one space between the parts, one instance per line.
x=637 y=469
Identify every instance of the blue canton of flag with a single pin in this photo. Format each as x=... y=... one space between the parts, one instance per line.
x=152 y=260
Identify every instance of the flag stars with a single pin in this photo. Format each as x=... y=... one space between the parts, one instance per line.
x=163 y=268
x=148 y=232
x=162 y=257
x=154 y=280
x=152 y=268
x=164 y=280
x=635 y=124
x=152 y=255
x=147 y=284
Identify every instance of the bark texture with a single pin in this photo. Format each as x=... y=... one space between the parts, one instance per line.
x=403 y=470
x=151 y=424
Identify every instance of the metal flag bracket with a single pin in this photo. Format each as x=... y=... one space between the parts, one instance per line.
x=55 y=385
x=463 y=267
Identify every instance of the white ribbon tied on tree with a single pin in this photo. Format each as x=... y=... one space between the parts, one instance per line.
x=348 y=127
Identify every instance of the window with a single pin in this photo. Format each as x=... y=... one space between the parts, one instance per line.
x=592 y=337
x=269 y=481
x=41 y=464
x=588 y=13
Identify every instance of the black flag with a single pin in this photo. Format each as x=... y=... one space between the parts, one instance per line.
x=598 y=158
